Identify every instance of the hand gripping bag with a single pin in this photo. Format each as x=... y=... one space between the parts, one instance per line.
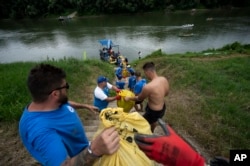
x=126 y=124
x=126 y=105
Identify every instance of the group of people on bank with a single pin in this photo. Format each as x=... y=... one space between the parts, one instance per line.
x=101 y=92
x=54 y=135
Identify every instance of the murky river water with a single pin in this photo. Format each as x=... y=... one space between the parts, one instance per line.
x=38 y=40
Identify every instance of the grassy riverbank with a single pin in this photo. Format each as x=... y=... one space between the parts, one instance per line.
x=208 y=100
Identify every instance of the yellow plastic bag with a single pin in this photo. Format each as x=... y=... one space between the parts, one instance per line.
x=126 y=105
x=127 y=124
x=125 y=72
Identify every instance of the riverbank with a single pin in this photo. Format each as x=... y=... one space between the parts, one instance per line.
x=208 y=100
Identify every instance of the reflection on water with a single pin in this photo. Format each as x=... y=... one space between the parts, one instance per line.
x=38 y=40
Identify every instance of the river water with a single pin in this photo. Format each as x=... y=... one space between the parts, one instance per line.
x=29 y=40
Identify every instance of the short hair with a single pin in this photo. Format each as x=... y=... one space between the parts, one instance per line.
x=42 y=79
x=137 y=73
x=149 y=66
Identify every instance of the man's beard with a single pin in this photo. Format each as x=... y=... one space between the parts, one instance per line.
x=63 y=99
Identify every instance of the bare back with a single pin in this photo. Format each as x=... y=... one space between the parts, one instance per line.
x=155 y=91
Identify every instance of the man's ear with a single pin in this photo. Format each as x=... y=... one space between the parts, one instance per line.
x=55 y=93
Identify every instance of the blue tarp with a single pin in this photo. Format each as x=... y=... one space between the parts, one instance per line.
x=107 y=43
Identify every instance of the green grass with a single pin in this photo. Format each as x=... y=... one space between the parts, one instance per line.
x=14 y=94
x=209 y=96
x=208 y=99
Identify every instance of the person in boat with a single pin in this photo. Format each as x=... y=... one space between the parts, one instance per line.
x=112 y=56
x=110 y=50
x=104 y=54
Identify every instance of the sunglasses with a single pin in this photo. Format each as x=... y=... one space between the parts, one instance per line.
x=62 y=87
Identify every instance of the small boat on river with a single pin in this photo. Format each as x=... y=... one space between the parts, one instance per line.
x=109 y=52
x=186 y=35
x=187 y=26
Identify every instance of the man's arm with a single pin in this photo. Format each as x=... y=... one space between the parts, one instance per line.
x=115 y=88
x=105 y=143
x=84 y=158
x=81 y=106
x=141 y=96
x=108 y=99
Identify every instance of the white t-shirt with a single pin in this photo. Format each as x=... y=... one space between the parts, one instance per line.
x=99 y=92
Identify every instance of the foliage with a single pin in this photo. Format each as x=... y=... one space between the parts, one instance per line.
x=236 y=46
x=32 y=9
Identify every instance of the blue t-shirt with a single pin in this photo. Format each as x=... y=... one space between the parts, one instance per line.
x=120 y=84
x=130 y=70
x=52 y=136
x=131 y=82
x=138 y=86
x=118 y=72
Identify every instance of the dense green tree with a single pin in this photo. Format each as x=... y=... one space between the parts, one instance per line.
x=42 y=8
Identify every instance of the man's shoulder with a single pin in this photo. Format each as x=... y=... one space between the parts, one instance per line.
x=163 y=77
x=98 y=90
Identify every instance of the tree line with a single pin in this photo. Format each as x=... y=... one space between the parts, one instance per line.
x=18 y=9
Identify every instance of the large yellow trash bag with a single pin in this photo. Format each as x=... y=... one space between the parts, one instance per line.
x=126 y=124
x=126 y=105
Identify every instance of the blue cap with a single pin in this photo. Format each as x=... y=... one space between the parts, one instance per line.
x=101 y=79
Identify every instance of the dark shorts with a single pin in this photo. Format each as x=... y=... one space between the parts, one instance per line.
x=138 y=102
x=152 y=116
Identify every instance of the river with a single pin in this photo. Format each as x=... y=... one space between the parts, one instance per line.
x=38 y=40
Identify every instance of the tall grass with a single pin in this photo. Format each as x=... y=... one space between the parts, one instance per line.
x=81 y=75
x=209 y=96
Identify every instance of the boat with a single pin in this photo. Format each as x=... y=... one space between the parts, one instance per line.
x=109 y=52
x=186 y=35
x=209 y=19
x=187 y=26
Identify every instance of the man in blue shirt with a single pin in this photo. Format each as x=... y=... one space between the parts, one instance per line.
x=138 y=88
x=50 y=127
x=131 y=81
x=118 y=72
x=120 y=83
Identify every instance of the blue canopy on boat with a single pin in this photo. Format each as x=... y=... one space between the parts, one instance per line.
x=107 y=43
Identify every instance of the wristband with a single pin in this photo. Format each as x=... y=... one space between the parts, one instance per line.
x=90 y=151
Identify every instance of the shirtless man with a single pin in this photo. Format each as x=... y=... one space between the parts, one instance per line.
x=156 y=91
